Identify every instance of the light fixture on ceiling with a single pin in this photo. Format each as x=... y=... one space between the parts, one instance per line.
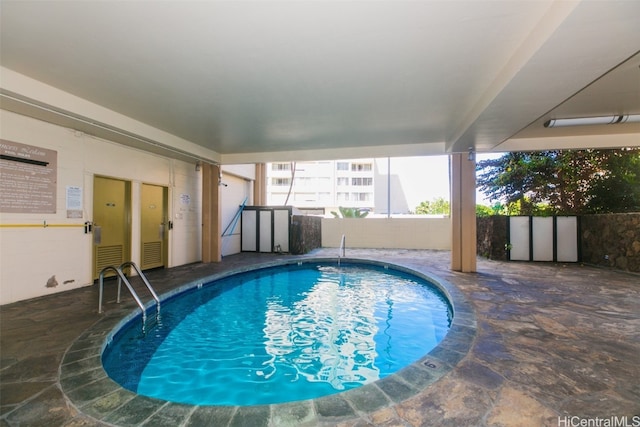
x=586 y=121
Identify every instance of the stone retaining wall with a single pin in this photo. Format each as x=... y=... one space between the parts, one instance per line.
x=608 y=240
x=306 y=234
x=612 y=240
x=491 y=234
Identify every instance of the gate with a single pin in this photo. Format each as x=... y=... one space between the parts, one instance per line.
x=265 y=229
x=554 y=238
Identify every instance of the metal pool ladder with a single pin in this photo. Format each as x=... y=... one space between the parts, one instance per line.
x=123 y=278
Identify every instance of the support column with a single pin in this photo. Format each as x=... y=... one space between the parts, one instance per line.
x=211 y=218
x=463 y=213
x=260 y=185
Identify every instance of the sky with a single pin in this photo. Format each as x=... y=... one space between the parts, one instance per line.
x=427 y=178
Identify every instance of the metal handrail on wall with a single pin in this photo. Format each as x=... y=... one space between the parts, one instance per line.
x=123 y=278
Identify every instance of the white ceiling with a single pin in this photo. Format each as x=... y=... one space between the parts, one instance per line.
x=270 y=80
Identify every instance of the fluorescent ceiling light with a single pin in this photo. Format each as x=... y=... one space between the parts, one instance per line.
x=585 y=121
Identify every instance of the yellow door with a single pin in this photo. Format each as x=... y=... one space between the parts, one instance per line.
x=111 y=223
x=154 y=226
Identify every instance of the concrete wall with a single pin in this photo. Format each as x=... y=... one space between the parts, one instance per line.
x=388 y=233
x=236 y=188
x=37 y=260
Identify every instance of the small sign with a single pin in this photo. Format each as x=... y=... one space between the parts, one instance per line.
x=74 y=198
x=74 y=202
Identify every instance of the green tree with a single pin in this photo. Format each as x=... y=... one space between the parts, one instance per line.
x=438 y=206
x=617 y=187
x=483 y=210
x=350 y=213
x=564 y=181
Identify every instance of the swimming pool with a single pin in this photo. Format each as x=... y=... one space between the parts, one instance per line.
x=280 y=334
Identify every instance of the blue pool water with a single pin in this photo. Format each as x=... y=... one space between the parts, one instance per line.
x=281 y=334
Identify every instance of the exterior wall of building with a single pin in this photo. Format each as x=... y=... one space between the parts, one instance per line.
x=322 y=184
x=237 y=188
x=353 y=183
x=409 y=181
x=388 y=233
x=36 y=260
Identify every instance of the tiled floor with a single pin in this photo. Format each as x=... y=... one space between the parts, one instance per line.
x=555 y=345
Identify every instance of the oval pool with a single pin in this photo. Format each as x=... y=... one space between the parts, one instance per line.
x=280 y=334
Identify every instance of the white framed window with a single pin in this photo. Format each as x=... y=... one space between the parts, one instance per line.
x=360 y=167
x=361 y=197
x=343 y=197
x=280 y=166
x=276 y=182
x=361 y=181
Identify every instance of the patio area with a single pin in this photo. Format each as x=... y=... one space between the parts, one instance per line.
x=555 y=344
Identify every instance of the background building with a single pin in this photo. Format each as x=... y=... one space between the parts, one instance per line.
x=382 y=185
x=320 y=187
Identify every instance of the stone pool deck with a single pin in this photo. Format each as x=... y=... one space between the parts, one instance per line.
x=551 y=345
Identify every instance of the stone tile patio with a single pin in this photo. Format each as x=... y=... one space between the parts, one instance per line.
x=549 y=345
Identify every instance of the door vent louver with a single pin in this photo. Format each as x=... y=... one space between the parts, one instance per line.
x=109 y=255
x=151 y=255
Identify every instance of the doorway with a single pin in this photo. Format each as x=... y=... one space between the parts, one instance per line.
x=111 y=223
x=154 y=225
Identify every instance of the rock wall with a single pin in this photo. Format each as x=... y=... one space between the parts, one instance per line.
x=612 y=240
x=608 y=240
x=306 y=234
x=491 y=233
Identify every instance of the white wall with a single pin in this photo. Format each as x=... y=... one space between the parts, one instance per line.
x=32 y=256
x=237 y=188
x=391 y=233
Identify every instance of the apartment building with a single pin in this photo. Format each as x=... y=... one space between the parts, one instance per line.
x=395 y=185
x=322 y=186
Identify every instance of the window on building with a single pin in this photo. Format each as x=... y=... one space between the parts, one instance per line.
x=280 y=181
x=360 y=167
x=343 y=181
x=361 y=181
x=361 y=197
x=342 y=166
x=281 y=166
x=343 y=197
x=304 y=181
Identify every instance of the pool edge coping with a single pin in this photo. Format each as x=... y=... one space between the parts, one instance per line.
x=94 y=394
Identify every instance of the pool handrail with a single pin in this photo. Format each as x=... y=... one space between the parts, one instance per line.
x=123 y=278
x=144 y=280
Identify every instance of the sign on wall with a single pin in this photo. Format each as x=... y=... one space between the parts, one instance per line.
x=28 y=178
x=74 y=201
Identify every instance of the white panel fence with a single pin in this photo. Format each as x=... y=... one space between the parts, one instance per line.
x=554 y=238
x=265 y=229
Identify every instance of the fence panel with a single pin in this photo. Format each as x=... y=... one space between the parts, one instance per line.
x=544 y=238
